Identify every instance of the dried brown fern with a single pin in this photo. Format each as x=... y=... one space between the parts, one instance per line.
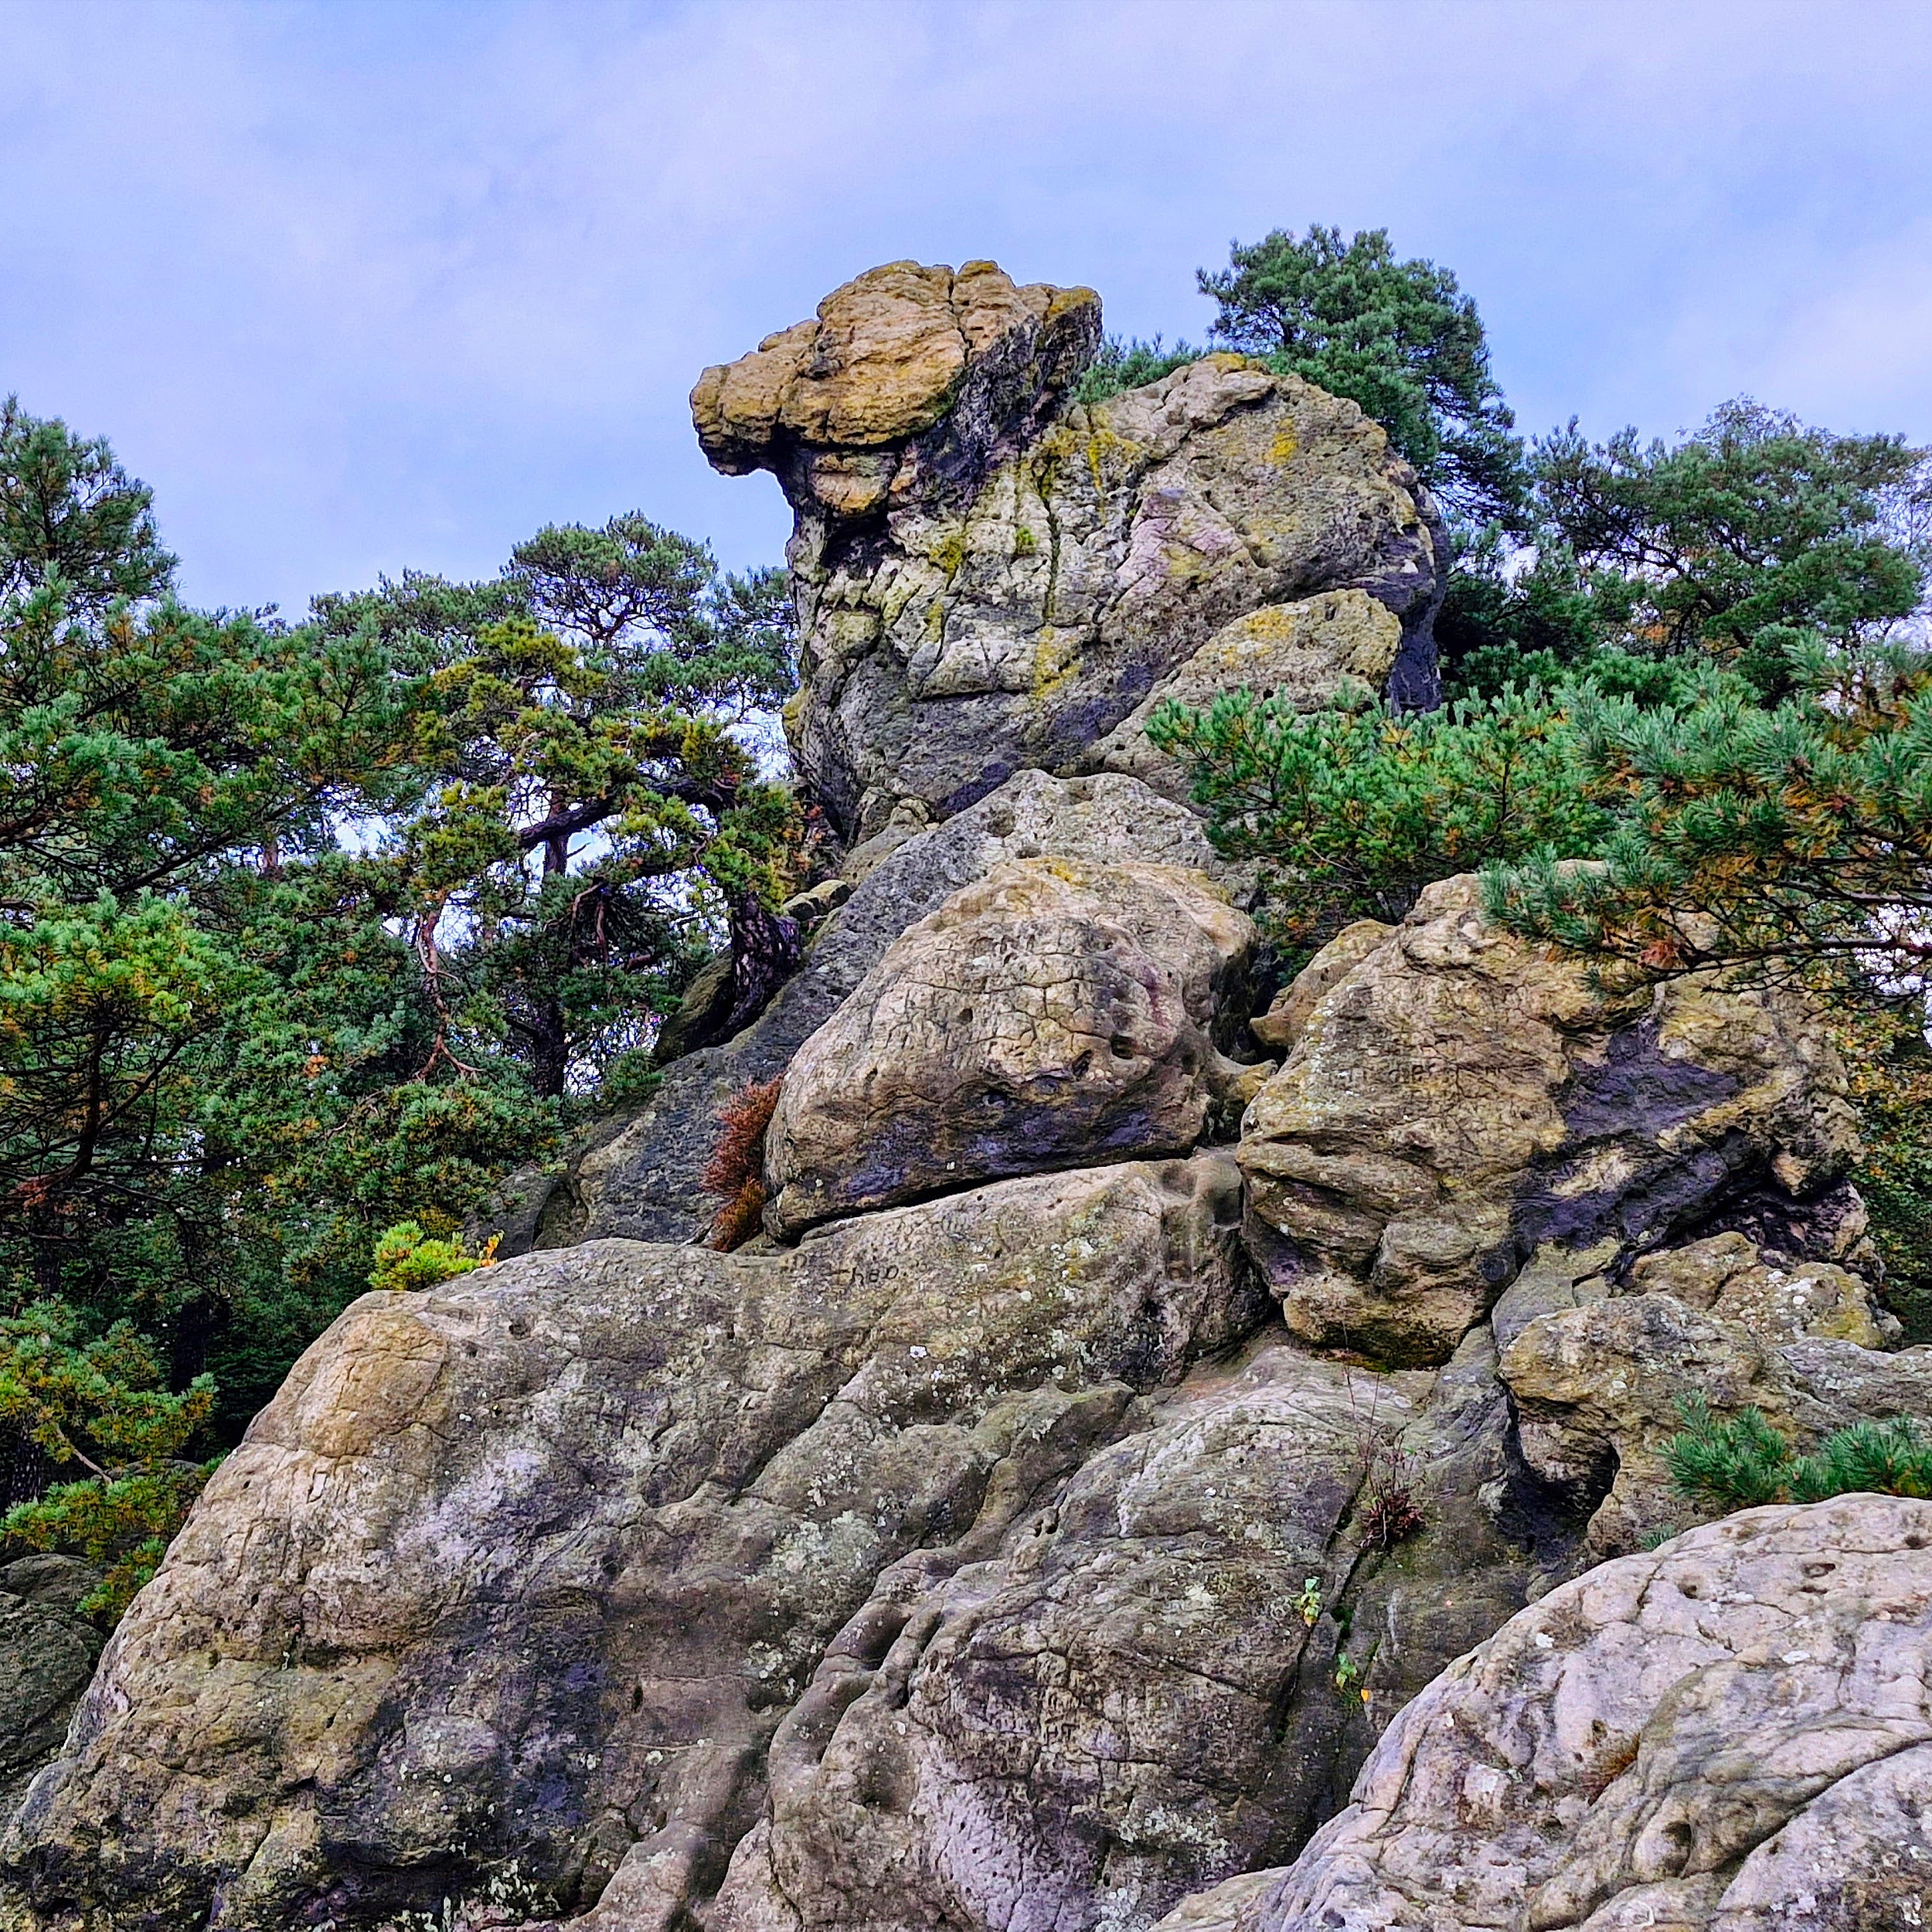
x=736 y=1168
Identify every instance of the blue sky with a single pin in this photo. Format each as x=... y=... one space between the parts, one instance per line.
x=359 y=286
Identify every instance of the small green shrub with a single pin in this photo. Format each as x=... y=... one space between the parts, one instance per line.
x=125 y=1522
x=1731 y=1462
x=103 y=1403
x=408 y=1258
x=1892 y=1458
x=1737 y=1462
x=1127 y=364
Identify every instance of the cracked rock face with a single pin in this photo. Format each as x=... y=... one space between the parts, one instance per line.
x=1455 y=1099
x=1732 y=1734
x=47 y=1653
x=1134 y=1695
x=1597 y=1388
x=990 y=576
x=1057 y=1013
x=528 y=1568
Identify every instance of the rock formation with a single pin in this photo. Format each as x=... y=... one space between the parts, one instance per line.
x=1036 y=1529
x=1729 y=1735
x=48 y=1650
x=1456 y=1099
x=991 y=576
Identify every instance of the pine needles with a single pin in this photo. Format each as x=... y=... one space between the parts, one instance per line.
x=1738 y=1462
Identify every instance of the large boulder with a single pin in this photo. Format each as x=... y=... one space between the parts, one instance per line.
x=991 y=577
x=1456 y=1099
x=1730 y=1734
x=638 y=1177
x=516 y=1575
x=1055 y=1014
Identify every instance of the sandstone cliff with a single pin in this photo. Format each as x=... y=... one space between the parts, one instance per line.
x=1139 y=1402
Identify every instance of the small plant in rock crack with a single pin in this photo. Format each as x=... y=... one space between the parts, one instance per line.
x=1391 y=1503
x=737 y=1171
x=1389 y=1490
x=1309 y=1602
x=1351 y=1678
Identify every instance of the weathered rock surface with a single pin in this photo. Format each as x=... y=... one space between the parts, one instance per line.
x=1087 y=1722
x=1281 y=1025
x=1057 y=1013
x=636 y=1178
x=1729 y=1276
x=1308 y=653
x=1597 y=1390
x=1126 y=1699
x=528 y=1568
x=47 y=1653
x=1731 y=1734
x=991 y=577
x=1456 y=1100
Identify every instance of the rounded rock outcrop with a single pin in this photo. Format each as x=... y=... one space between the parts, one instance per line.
x=1057 y=1013
x=1730 y=1734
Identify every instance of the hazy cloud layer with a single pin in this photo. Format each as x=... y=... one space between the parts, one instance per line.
x=362 y=286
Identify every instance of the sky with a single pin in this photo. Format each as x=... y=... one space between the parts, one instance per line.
x=358 y=287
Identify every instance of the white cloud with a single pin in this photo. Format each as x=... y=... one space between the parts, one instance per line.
x=358 y=285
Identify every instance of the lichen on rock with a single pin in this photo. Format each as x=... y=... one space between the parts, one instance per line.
x=990 y=577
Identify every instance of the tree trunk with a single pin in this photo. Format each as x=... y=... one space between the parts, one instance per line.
x=550 y=1049
x=765 y=953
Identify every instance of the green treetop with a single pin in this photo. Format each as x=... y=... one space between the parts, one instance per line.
x=1399 y=337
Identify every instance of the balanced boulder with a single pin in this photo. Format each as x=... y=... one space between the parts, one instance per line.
x=1057 y=1013
x=991 y=576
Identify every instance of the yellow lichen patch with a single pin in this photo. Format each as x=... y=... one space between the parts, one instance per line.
x=1184 y=566
x=1056 y=659
x=1281 y=451
x=1101 y=447
x=1102 y=444
x=950 y=552
x=1273 y=624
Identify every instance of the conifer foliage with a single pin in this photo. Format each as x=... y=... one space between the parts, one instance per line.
x=308 y=930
